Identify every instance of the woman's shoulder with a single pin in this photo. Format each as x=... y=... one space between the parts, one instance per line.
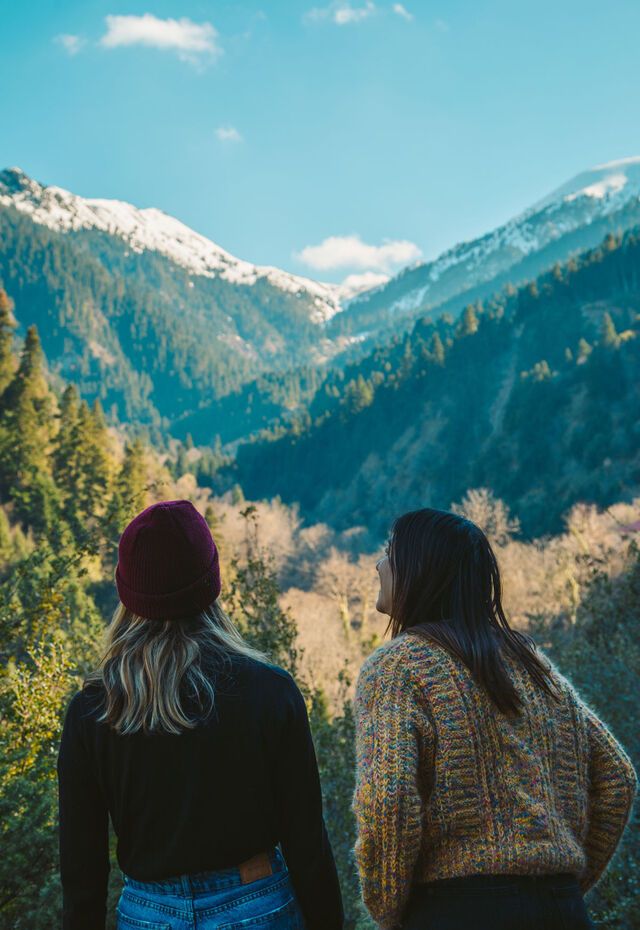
x=266 y=673
x=91 y=698
x=408 y=651
x=83 y=703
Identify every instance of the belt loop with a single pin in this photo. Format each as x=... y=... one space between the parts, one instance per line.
x=187 y=890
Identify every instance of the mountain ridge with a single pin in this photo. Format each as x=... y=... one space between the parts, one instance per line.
x=147 y=314
x=152 y=229
x=594 y=197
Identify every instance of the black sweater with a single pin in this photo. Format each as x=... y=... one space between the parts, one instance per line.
x=242 y=781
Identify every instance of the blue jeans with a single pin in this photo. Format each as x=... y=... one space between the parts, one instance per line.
x=214 y=900
x=498 y=902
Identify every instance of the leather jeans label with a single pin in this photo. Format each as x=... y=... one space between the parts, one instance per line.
x=257 y=867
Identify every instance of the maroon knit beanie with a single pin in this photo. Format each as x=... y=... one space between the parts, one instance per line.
x=168 y=564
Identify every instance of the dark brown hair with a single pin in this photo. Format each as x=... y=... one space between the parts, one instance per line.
x=447 y=588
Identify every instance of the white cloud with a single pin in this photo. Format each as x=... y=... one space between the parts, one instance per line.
x=190 y=40
x=347 y=14
x=228 y=134
x=356 y=283
x=441 y=25
x=70 y=43
x=352 y=252
x=402 y=11
x=340 y=13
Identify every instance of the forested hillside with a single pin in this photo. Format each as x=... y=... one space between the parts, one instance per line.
x=167 y=329
x=147 y=335
x=533 y=393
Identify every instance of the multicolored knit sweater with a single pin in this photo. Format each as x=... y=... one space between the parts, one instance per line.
x=448 y=786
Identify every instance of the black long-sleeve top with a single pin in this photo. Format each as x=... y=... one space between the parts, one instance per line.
x=244 y=780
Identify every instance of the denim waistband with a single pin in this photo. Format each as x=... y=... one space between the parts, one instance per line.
x=200 y=882
x=558 y=880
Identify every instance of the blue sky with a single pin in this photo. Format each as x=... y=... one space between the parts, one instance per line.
x=391 y=130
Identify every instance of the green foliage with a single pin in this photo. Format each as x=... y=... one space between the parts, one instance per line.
x=358 y=395
x=26 y=431
x=82 y=462
x=49 y=631
x=334 y=739
x=7 y=325
x=131 y=485
x=252 y=602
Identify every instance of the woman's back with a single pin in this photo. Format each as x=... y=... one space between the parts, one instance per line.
x=243 y=780
x=462 y=789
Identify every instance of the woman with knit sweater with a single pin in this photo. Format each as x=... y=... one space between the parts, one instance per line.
x=488 y=795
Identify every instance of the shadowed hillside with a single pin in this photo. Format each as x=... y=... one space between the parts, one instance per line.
x=533 y=393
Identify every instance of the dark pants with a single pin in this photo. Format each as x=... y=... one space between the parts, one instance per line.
x=498 y=902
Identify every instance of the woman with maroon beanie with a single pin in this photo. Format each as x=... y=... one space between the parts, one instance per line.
x=199 y=749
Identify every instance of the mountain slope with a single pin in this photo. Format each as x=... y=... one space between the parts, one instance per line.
x=571 y=219
x=534 y=395
x=152 y=230
x=166 y=327
x=142 y=312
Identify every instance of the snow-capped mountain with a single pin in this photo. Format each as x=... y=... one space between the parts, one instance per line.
x=607 y=184
x=575 y=216
x=161 y=323
x=145 y=313
x=153 y=230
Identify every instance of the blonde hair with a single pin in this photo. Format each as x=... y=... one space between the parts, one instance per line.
x=146 y=663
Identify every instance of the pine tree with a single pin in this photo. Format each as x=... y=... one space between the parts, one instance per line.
x=237 y=495
x=65 y=464
x=437 y=349
x=7 y=325
x=6 y=542
x=359 y=394
x=181 y=465
x=608 y=334
x=215 y=525
x=27 y=425
x=584 y=351
x=130 y=494
x=94 y=464
x=469 y=323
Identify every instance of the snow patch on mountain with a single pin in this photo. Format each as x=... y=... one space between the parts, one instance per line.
x=152 y=229
x=603 y=182
x=591 y=194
